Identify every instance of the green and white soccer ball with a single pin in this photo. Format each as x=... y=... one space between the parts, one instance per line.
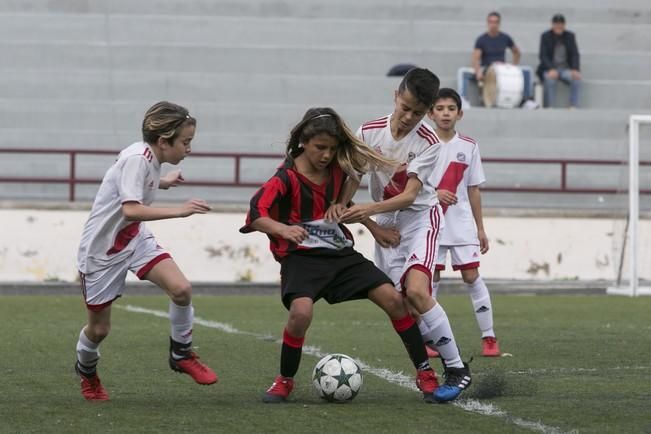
x=337 y=378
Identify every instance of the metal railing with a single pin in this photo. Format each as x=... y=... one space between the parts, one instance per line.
x=236 y=181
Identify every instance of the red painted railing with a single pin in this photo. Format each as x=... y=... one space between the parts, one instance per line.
x=72 y=180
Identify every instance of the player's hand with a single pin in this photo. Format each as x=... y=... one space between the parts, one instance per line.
x=479 y=75
x=553 y=74
x=386 y=236
x=446 y=197
x=483 y=241
x=357 y=213
x=172 y=179
x=334 y=213
x=294 y=234
x=194 y=206
x=576 y=75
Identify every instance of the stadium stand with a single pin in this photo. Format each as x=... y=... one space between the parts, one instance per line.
x=80 y=73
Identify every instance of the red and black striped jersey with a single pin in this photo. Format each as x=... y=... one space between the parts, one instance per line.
x=290 y=198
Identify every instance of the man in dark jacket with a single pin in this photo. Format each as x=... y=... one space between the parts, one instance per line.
x=559 y=60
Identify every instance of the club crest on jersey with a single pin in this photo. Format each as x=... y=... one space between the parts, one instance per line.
x=461 y=156
x=378 y=149
x=410 y=157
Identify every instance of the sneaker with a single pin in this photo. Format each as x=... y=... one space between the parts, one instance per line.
x=432 y=353
x=279 y=390
x=490 y=347
x=427 y=382
x=91 y=387
x=456 y=381
x=191 y=365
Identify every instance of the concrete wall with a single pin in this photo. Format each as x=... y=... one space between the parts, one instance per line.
x=41 y=245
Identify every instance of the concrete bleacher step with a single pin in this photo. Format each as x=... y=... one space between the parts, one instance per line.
x=341 y=32
x=628 y=11
x=296 y=60
x=277 y=119
x=267 y=88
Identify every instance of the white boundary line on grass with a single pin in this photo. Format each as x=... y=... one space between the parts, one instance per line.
x=470 y=405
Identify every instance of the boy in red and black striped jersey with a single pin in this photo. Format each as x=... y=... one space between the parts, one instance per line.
x=298 y=208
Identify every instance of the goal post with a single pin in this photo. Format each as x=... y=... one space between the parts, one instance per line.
x=632 y=237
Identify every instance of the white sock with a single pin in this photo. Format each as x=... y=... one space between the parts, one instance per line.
x=440 y=333
x=181 y=319
x=481 y=304
x=87 y=354
x=435 y=289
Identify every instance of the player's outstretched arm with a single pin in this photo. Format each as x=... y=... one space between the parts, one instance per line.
x=359 y=213
x=269 y=226
x=136 y=211
x=474 y=197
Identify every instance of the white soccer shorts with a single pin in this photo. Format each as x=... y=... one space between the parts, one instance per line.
x=102 y=287
x=464 y=257
x=419 y=236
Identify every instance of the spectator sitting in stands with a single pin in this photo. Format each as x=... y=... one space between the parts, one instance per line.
x=491 y=47
x=559 y=60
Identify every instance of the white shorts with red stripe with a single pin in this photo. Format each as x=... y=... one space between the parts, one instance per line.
x=102 y=287
x=464 y=257
x=418 y=248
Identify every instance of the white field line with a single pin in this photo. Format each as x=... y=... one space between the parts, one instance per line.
x=470 y=405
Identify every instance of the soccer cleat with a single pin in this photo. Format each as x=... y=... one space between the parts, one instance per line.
x=191 y=365
x=91 y=387
x=432 y=353
x=456 y=381
x=279 y=390
x=427 y=382
x=490 y=347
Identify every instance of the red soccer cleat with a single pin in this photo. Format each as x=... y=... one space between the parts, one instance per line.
x=191 y=365
x=427 y=382
x=279 y=390
x=91 y=387
x=490 y=347
x=432 y=353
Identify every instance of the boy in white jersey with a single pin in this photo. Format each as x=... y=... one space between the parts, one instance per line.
x=115 y=241
x=458 y=177
x=405 y=200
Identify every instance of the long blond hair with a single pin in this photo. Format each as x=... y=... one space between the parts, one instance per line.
x=353 y=155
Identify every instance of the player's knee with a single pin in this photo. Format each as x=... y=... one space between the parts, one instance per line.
x=469 y=276
x=300 y=317
x=393 y=305
x=420 y=299
x=181 y=293
x=97 y=332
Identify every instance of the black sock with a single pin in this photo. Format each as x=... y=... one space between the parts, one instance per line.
x=409 y=332
x=290 y=355
x=86 y=371
x=180 y=351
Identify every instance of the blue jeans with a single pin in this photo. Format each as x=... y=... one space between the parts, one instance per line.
x=467 y=76
x=565 y=75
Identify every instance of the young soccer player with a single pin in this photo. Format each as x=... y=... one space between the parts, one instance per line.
x=115 y=240
x=458 y=177
x=315 y=252
x=405 y=200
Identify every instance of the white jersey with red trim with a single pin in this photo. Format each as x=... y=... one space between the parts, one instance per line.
x=105 y=240
x=459 y=168
x=417 y=152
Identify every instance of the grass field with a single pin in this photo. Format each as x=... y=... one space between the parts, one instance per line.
x=580 y=364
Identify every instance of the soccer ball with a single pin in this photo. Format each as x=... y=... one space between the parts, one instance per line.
x=337 y=378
